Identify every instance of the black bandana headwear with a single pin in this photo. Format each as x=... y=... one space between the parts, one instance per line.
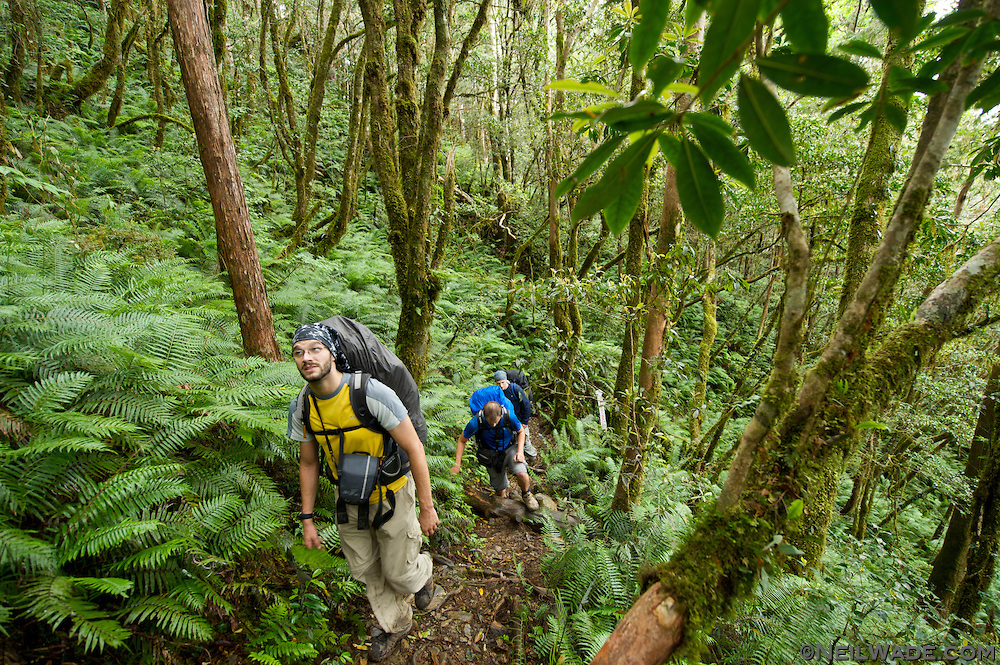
x=326 y=336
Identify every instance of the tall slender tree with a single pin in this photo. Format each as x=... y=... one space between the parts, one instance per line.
x=237 y=248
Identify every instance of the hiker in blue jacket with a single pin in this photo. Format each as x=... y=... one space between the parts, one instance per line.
x=522 y=408
x=495 y=428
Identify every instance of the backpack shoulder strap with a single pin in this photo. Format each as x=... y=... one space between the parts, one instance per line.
x=302 y=403
x=359 y=402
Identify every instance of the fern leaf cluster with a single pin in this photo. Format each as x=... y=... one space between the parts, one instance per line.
x=133 y=439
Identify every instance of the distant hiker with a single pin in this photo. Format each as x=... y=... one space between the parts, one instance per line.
x=514 y=385
x=513 y=398
x=377 y=479
x=494 y=428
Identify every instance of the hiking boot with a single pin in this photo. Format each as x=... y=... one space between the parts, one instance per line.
x=383 y=643
x=422 y=598
x=530 y=502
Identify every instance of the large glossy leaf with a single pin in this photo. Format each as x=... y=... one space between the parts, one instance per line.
x=986 y=95
x=846 y=110
x=728 y=34
x=896 y=117
x=641 y=114
x=699 y=189
x=901 y=16
x=590 y=164
x=806 y=25
x=619 y=211
x=717 y=138
x=646 y=35
x=724 y=154
x=621 y=170
x=710 y=120
x=814 y=74
x=946 y=36
x=961 y=16
x=764 y=122
x=861 y=48
x=569 y=85
x=663 y=71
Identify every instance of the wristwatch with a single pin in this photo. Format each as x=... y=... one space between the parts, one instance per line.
x=305 y=516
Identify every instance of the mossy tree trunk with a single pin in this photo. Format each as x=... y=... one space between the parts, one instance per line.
x=659 y=299
x=620 y=415
x=62 y=100
x=623 y=418
x=357 y=136
x=819 y=431
x=237 y=248
x=565 y=308
x=984 y=515
x=154 y=64
x=406 y=166
x=710 y=327
x=218 y=10
x=871 y=191
x=17 y=29
x=116 y=99
x=298 y=146
x=950 y=563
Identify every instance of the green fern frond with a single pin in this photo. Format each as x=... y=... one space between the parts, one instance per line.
x=47 y=444
x=111 y=585
x=94 y=541
x=249 y=531
x=216 y=513
x=50 y=392
x=149 y=558
x=20 y=549
x=169 y=616
x=128 y=493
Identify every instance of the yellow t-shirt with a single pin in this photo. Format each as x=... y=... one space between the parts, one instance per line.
x=336 y=412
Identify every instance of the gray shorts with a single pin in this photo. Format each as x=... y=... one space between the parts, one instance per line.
x=498 y=479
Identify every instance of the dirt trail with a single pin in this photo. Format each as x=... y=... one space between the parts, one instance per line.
x=490 y=605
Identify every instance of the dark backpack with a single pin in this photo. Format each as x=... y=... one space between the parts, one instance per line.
x=518 y=377
x=358 y=348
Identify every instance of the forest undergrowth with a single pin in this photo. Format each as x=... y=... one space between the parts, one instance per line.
x=149 y=491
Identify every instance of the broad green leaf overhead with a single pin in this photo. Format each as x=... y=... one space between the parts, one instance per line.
x=987 y=94
x=662 y=71
x=728 y=35
x=902 y=17
x=641 y=114
x=806 y=25
x=814 y=74
x=629 y=188
x=861 y=48
x=719 y=147
x=590 y=164
x=764 y=122
x=699 y=189
x=623 y=167
x=646 y=35
x=569 y=85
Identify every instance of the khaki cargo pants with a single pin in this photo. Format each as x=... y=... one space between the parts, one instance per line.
x=388 y=560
